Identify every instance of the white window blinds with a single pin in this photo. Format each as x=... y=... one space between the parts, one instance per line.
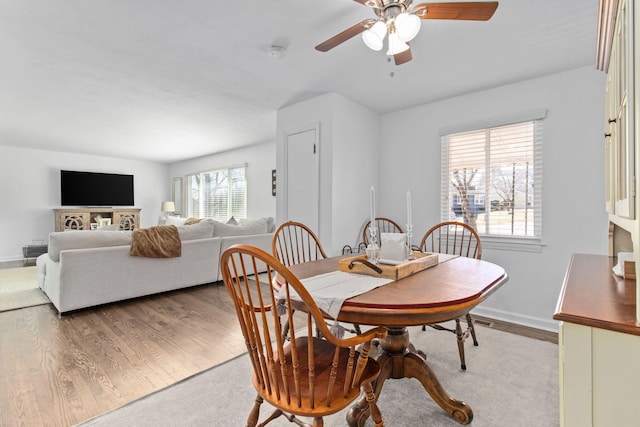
x=218 y=194
x=492 y=179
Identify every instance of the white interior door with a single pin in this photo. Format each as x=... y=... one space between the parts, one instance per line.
x=302 y=177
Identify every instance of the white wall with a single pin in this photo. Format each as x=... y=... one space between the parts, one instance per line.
x=260 y=160
x=30 y=190
x=574 y=219
x=355 y=164
x=349 y=138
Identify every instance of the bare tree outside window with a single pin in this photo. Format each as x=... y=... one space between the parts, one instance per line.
x=462 y=182
x=492 y=176
x=218 y=194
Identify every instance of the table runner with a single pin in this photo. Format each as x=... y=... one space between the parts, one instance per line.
x=330 y=290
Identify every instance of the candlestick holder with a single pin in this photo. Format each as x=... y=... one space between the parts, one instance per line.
x=409 y=236
x=373 y=250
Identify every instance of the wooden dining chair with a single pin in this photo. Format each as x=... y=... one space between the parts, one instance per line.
x=302 y=376
x=294 y=243
x=454 y=238
x=384 y=225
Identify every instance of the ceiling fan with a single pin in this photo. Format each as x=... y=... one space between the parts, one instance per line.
x=400 y=20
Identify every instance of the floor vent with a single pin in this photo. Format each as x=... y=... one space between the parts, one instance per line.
x=483 y=323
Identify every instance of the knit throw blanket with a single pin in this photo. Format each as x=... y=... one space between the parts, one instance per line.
x=162 y=241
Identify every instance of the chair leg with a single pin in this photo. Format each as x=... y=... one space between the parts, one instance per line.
x=460 y=337
x=255 y=412
x=376 y=416
x=472 y=329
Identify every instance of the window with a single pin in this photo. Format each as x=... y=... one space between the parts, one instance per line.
x=491 y=179
x=218 y=194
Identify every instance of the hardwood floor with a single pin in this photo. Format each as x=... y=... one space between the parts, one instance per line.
x=61 y=371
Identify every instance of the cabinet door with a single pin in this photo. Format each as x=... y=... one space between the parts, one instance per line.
x=620 y=150
x=615 y=378
x=574 y=352
x=126 y=220
x=610 y=152
x=73 y=221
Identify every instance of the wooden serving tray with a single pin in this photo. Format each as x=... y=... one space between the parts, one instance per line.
x=422 y=262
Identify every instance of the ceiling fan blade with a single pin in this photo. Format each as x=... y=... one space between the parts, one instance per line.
x=345 y=35
x=403 y=57
x=469 y=11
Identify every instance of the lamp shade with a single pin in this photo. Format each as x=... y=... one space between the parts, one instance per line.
x=168 y=206
x=396 y=45
x=407 y=26
x=374 y=36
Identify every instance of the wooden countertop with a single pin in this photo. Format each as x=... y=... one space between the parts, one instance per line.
x=593 y=296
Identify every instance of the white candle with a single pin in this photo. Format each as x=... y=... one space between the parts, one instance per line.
x=409 y=208
x=372 y=205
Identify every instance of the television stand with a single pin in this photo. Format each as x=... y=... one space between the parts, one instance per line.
x=90 y=218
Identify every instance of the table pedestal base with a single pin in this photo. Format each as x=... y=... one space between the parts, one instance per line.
x=399 y=359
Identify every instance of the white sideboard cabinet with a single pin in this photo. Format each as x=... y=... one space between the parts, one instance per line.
x=599 y=346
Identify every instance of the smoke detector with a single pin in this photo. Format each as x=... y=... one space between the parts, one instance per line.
x=277 y=52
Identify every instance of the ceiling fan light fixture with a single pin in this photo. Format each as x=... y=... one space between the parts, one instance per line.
x=396 y=45
x=407 y=26
x=374 y=36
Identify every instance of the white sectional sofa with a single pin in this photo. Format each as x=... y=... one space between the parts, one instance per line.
x=88 y=268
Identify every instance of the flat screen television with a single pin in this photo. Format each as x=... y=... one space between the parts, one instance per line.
x=95 y=189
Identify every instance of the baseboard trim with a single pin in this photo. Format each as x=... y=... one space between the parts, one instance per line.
x=18 y=263
x=10 y=259
x=518 y=319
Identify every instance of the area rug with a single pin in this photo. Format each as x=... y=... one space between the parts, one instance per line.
x=19 y=288
x=511 y=381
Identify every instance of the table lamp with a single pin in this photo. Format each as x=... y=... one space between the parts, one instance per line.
x=168 y=207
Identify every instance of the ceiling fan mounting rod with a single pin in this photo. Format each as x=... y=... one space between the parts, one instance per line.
x=391 y=9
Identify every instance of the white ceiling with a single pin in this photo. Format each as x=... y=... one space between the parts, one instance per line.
x=166 y=80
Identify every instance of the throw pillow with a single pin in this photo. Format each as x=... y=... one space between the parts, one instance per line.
x=271 y=226
x=232 y=221
x=243 y=229
x=175 y=220
x=201 y=230
x=190 y=221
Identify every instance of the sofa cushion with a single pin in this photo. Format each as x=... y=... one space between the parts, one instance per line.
x=83 y=239
x=244 y=228
x=271 y=225
x=200 y=230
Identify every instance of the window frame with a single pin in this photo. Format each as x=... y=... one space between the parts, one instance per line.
x=230 y=194
x=501 y=242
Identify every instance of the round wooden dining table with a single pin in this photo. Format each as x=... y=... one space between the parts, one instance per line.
x=441 y=293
